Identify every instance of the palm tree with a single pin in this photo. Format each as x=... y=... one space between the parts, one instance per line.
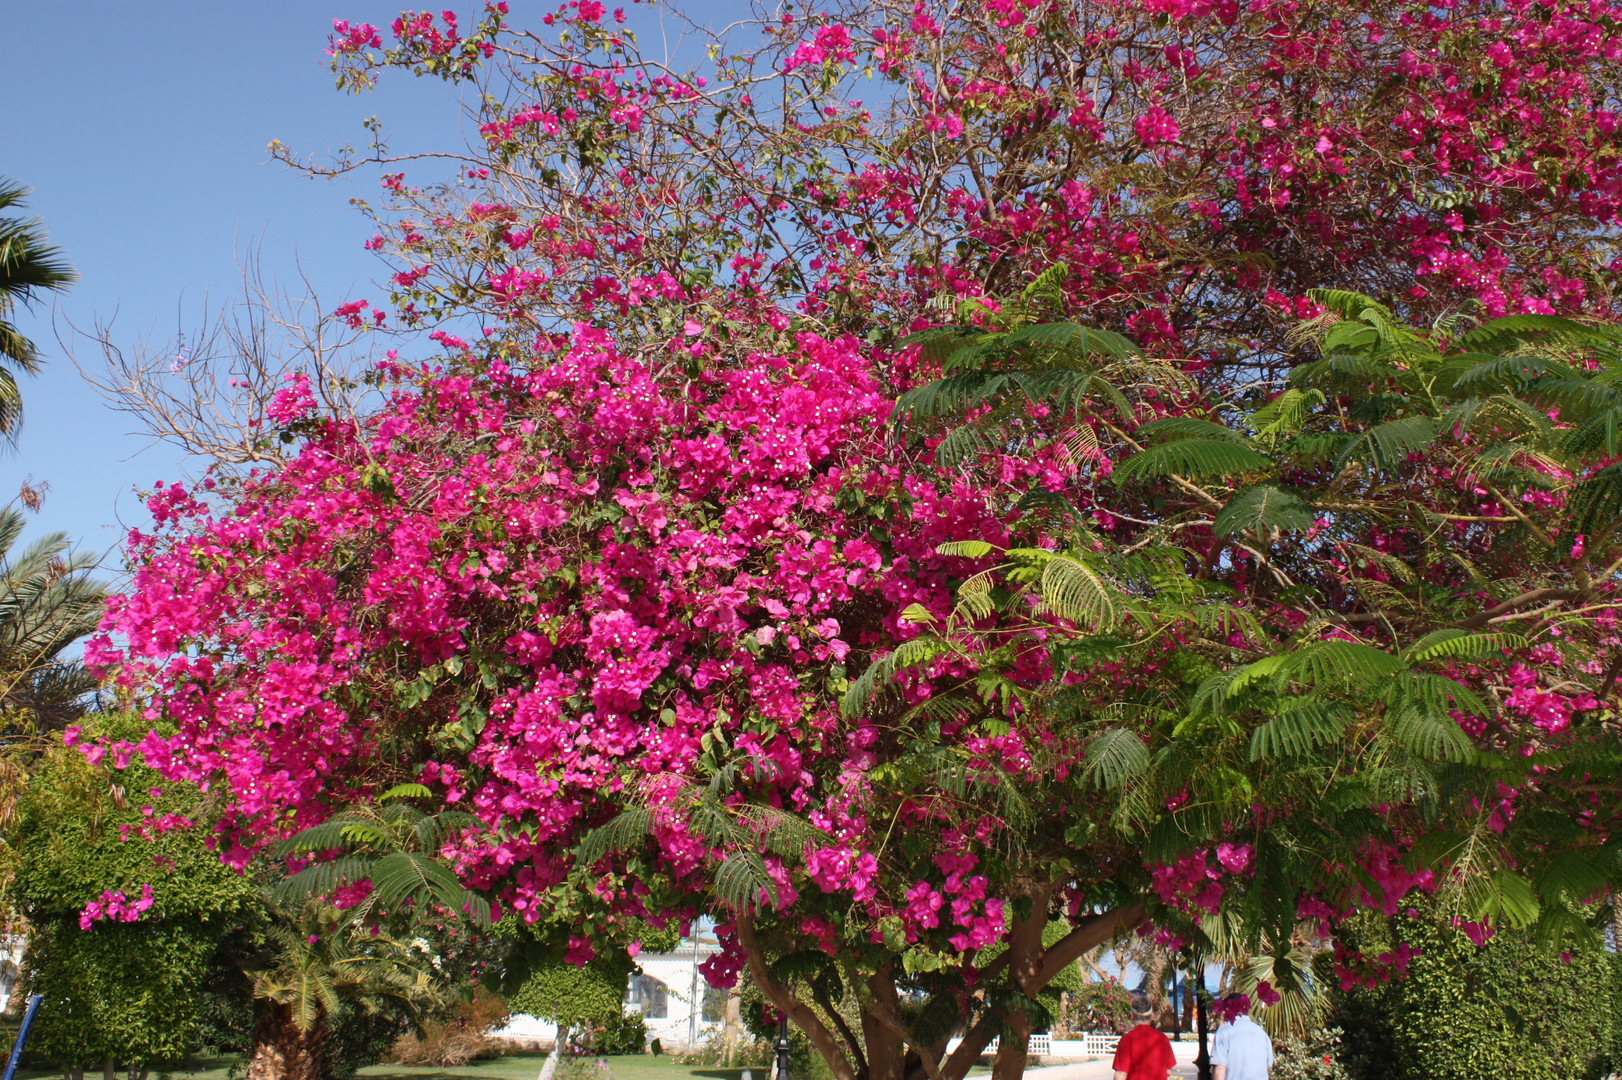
x=48 y=600
x=28 y=267
x=314 y=962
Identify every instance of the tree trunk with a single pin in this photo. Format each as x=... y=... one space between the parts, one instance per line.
x=281 y=1051
x=885 y=1042
x=109 y=1068
x=734 y=1026
x=549 y=1067
x=891 y=1052
x=1009 y=1064
x=1155 y=979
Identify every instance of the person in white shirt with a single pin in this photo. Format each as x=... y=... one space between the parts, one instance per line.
x=1241 y=1050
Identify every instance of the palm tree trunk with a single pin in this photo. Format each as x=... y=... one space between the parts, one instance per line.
x=283 y=1051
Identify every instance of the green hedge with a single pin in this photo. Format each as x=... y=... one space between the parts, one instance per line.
x=130 y=990
x=1511 y=1010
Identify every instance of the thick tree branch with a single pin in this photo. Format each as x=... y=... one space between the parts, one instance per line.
x=1481 y=618
x=960 y=1061
x=893 y=1022
x=786 y=1000
x=855 y=1044
x=1088 y=935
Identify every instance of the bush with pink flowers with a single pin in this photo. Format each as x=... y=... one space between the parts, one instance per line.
x=767 y=513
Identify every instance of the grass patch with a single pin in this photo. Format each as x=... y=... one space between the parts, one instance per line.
x=518 y=1065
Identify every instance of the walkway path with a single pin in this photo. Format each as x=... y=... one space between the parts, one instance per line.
x=1094 y=1070
x=1099 y=1068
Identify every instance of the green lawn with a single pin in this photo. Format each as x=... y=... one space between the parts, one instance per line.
x=517 y=1066
x=524 y=1066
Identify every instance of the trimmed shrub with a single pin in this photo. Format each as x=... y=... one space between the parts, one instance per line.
x=626 y=1033
x=1313 y=1056
x=1510 y=1009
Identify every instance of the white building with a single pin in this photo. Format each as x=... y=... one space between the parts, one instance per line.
x=11 y=958
x=664 y=993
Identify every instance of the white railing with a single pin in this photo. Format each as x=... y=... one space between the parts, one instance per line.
x=1039 y=1045
x=1100 y=1045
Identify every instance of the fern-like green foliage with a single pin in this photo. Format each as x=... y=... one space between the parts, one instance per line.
x=390 y=843
x=1265 y=506
x=1197 y=458
x=742 y=834
x=1305 y=593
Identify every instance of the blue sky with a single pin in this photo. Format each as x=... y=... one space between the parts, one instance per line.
x=142 y=129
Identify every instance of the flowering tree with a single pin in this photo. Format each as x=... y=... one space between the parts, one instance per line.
x=1270 y=620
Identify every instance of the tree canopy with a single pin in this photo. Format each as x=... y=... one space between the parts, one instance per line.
x=941 y=469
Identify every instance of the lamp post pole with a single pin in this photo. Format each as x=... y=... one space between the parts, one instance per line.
x=1177 y=1005
x=782 y=1048
x=1203 y=1062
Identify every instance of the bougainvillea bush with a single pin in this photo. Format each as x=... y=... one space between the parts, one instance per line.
x=934 y=469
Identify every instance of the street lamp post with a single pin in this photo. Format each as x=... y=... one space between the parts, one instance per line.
x=1176 y=1004
x=1203 y=1062
x=782 y=1048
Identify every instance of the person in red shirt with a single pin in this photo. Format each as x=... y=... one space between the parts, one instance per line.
x=1144 y=1053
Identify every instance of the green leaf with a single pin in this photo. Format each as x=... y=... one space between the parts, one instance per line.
x=1190 y=457
x=1346 y=303
x=1220 y=689
x=740 y=879
x=1512 y=899
x=1387 y=446
x=1264 y=504
x=1504 y=372
x=917 y=613
x=1340 y=663
x=404 y=874
x=1073 y=592
x=1115 y=757
x=1077 y=339
x=1428 y=734
x=1300 y=731
x=1460 y=645
x=967 y=549
x=406 y=791
x=621 y=833
x=1173 y=428
x=1499 y=335
x=1596 y=502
